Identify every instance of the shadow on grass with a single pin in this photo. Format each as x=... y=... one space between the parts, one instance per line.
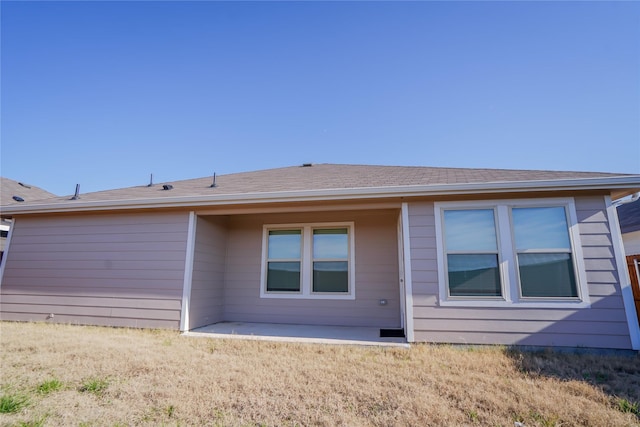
x=616 y=375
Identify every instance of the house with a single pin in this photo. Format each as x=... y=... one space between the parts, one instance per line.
x=13 y=193
x=480 y=256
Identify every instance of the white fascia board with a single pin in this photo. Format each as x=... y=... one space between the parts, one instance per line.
x=622 y=182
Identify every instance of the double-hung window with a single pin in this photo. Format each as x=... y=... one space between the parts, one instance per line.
x=284 y=260
x=543 y=253
x=524 y=252
x=308 y=261
x=330 y=260
x=473 y=260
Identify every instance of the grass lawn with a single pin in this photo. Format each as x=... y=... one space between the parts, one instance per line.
x=89 y=376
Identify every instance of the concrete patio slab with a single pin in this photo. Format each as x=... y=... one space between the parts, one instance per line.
x=297 y=333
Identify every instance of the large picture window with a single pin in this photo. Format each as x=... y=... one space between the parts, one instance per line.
x=308 y=261
x=505 y=252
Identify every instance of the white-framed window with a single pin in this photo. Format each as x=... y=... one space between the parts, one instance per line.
x=471 y=253
x=505 y=252
x=308 y=261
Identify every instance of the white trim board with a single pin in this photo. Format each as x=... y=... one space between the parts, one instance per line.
x=623 y=274
x=408 y=284
x=188 y=272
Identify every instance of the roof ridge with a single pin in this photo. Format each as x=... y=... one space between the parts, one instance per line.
x=457 y=168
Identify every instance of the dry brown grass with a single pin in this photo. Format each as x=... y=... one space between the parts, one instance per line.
x=161 y=378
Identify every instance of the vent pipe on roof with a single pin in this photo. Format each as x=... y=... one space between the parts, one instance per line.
x=76 y=196
x=214 y=185
x=150 y=181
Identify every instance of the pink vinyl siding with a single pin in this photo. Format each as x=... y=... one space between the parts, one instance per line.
x=207 y=288
x=376 y=271
x=603 y=325
x=115 y=270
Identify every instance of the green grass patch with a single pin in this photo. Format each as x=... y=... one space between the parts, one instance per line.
x=49 y=386
x=629 y=407
x=94 y=385
x=171 y=410
x=35 y=423
x=11 y=403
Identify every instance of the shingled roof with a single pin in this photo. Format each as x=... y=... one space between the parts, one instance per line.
x=332 y=179
x=29 y=193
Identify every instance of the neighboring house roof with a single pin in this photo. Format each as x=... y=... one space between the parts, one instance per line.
x=29 y=193
x=335 y=181
x=629 y=216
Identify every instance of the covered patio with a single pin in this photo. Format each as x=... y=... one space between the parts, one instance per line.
x=227 y=290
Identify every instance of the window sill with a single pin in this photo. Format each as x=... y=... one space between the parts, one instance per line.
x=308 y=296
x=515 y=304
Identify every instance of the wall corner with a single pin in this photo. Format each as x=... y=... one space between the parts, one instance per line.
x=623 y=274
x=188 y=272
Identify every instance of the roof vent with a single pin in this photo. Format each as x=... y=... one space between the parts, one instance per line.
x=24 y=185
x=150 y=181
x=214 y=185
x=167 y=187
x=307 y=165
x=18 y=199
x=76 y=196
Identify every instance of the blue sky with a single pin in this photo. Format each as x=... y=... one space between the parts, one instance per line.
x=105 y=93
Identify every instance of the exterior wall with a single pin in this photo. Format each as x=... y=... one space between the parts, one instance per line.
x=376 y=270
x=603 y=325
x=115 y=270
x=207 y=286
x=631 y=243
